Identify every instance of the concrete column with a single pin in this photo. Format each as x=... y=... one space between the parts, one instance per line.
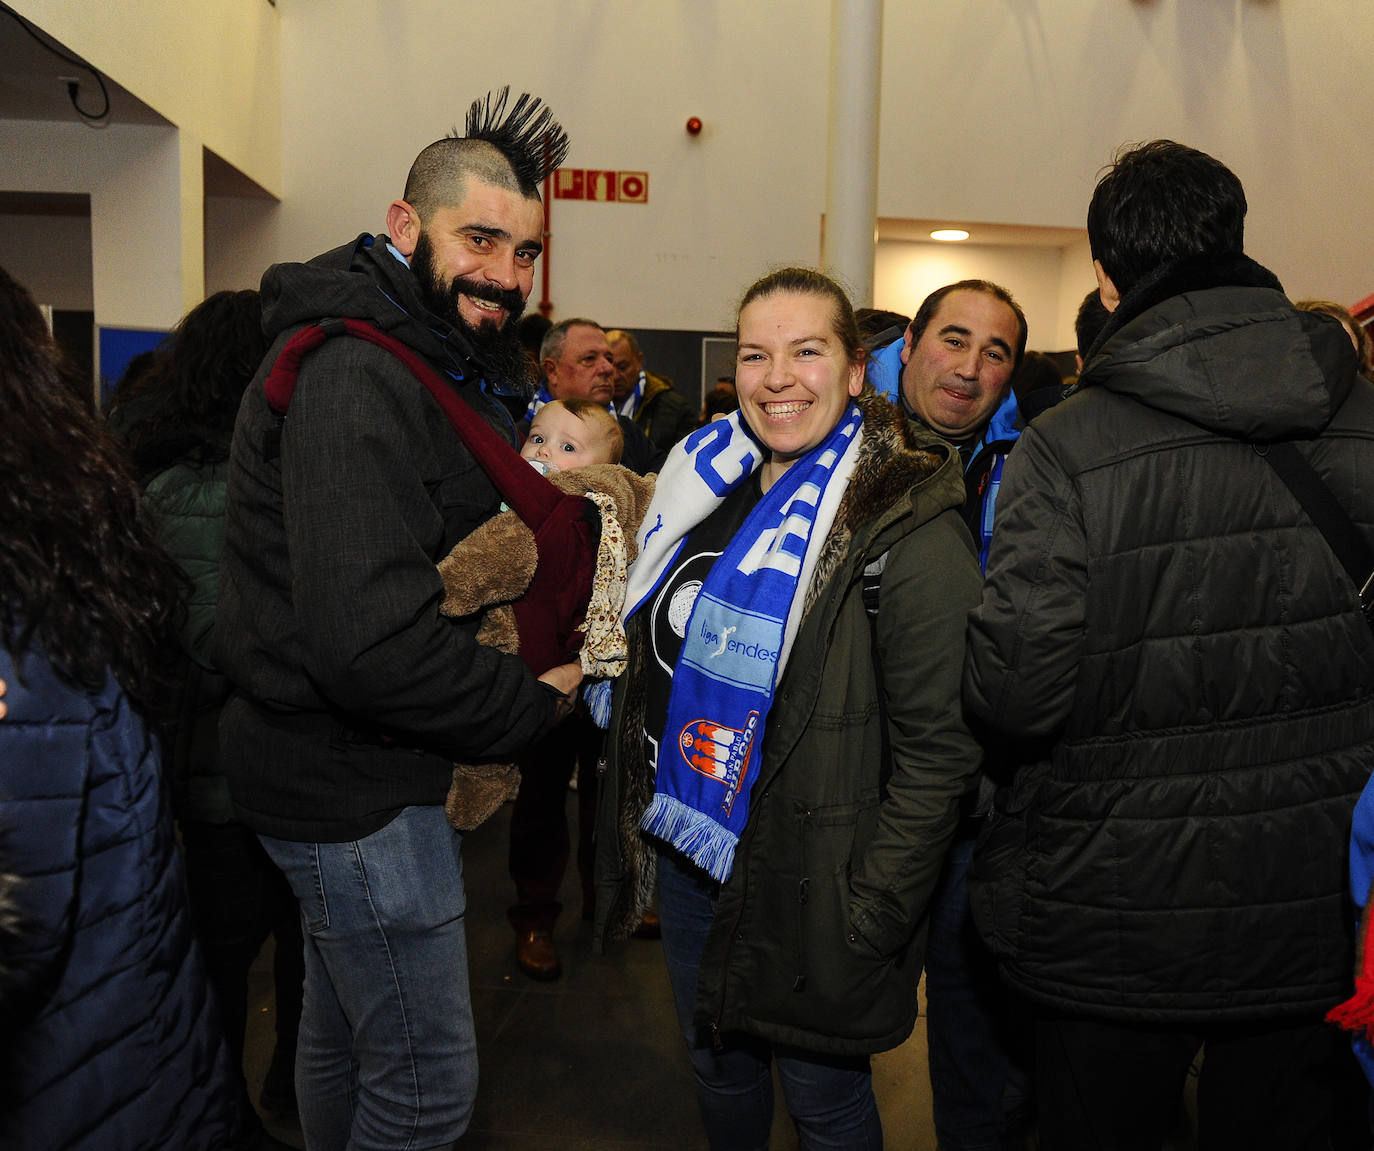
x=191 y=168
x=136 y=230
x=851 y=183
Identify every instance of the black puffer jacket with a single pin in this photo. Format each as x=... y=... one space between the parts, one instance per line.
x=354 y=695
x=1167 y=624
x=819 y=936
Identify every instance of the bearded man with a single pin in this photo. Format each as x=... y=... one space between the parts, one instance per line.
x=354 y=696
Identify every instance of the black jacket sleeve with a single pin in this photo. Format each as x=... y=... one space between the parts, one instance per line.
x=1026 y=639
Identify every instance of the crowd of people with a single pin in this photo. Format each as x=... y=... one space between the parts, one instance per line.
x=904 y=656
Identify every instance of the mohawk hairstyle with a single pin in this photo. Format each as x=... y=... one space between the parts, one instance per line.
x=514 y=150
x=527 y=136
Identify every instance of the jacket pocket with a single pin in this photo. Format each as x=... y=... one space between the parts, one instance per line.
x=464 y=497
x=841 y=986
x=997 y=881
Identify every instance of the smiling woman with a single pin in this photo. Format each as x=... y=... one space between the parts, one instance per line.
x=798 y=367
x=760 y=694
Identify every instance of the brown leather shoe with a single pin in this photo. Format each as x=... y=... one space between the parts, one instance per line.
x=537 y=956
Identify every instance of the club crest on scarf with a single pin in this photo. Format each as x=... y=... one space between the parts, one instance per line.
x=740 y=626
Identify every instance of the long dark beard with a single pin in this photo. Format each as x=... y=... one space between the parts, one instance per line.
x=496 y=349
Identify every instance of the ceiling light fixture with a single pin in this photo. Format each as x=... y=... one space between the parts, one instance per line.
x=949 y=235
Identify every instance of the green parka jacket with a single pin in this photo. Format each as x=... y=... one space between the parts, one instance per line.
x=819 y=935
x=185 y=503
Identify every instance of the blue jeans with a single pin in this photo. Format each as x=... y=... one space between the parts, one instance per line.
x=387 y=1058
x=830 y=1099
x=971 y=1024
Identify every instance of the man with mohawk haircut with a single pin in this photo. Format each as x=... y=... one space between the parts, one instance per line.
x=354 y=695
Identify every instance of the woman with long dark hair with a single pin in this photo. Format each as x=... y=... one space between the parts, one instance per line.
x=178 y=421
x=787 y=745
x=109 y=1034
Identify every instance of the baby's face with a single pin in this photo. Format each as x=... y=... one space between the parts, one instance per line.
x=560 y=440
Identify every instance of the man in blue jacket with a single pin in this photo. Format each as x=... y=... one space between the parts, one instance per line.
x=952 y=371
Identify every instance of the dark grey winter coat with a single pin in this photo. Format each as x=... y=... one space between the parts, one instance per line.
x=354 y=695
x=819 y=939
x=1168 y=631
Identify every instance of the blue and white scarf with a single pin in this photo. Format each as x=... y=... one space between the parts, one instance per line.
x=742 y=624
x=541 y=397
x=636 y=396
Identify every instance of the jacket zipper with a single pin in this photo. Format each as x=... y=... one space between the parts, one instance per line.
x=803 y=893
x=717 y=1043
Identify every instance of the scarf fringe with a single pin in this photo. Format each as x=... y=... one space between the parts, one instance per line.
x=698 y=836
x=597 y=697
x=1356 y=1014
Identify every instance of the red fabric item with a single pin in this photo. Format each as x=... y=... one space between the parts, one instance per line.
x=565 y=527
x=1357 y=1013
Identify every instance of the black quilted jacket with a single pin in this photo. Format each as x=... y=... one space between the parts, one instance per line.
x=1171 y=643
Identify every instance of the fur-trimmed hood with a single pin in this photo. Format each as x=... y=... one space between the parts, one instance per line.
x=903 y=469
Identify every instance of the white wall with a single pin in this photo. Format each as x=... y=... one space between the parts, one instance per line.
x=1009 y=121
x=235 y=249
x=1076 y=280
x=1013 y=115
x=29 y=246
x=211 y=67
x=367 y=89
x=1039 y=278
x=994 y=111
x=133 y=174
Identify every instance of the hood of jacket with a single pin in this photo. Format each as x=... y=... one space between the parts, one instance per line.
x=364 y=280
x=654 y=386
x=905 y=475
x=1213 y=340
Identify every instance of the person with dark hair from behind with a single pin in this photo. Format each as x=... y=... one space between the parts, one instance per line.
x=354 y=696
x=177 y=419
x=530 y=331
x=720 y=400
x=1088 y=323
x=1173 y=642
x=1037 y=384
x=109 y=1036
x=877 y=326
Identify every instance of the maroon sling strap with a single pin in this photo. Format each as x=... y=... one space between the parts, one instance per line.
x=565 y=527
x=528 y=493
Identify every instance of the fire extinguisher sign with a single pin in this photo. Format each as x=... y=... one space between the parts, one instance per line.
x=598 y=184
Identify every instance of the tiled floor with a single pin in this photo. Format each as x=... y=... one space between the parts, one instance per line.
x=593 y=1060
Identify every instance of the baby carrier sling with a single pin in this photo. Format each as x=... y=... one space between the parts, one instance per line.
x=566 y=528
